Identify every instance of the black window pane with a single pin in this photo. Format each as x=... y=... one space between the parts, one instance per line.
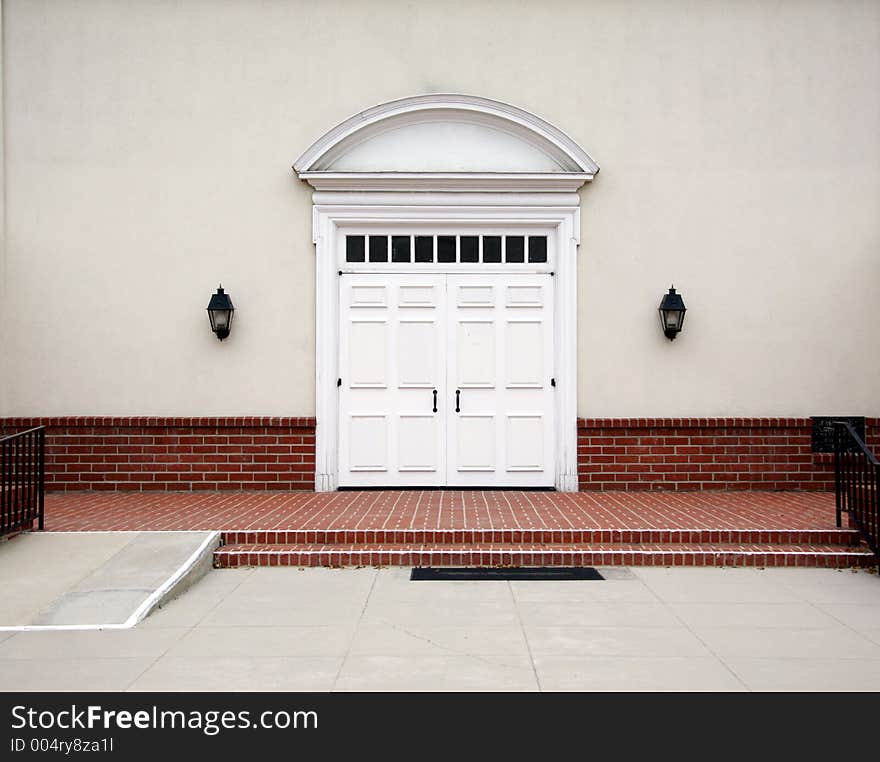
x=446 y=248
x=400 y=248
x=378 y=248
x=354 y=248
x=537 y=248
x=470 y=248
x=516 y=248
x=491 y=248
x=424 y=248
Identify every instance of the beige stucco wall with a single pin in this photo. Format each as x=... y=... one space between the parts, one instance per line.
x=148 y=148
x=4 y=293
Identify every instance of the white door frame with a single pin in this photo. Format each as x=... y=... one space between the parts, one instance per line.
x=330 y=224
x=453 y=160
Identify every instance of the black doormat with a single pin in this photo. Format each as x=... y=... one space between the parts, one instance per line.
x=423 y=573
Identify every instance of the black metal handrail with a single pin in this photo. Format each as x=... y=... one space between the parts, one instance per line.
x=22 y=480
x=857 y=480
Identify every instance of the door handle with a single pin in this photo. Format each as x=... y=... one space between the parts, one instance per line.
x=435 y=400
x=457 y=399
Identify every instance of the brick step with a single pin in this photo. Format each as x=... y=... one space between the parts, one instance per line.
x=541 y=536
x=542 y=554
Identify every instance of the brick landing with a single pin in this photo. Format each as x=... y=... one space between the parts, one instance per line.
x=484 y=528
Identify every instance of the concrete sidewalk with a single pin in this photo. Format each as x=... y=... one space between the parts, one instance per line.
x=96 y=579
x=652 y=629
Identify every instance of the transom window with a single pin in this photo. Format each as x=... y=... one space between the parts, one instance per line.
x=446 y=249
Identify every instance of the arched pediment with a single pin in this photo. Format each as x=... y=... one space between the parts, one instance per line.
x=451 y=136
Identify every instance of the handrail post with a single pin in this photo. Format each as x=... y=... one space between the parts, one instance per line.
x=3 y=488
x=838 y=442
x=42 y=480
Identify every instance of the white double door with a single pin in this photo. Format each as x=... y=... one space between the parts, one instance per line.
x=445 y=380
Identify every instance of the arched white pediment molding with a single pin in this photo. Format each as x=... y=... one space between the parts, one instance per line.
x=445 y=141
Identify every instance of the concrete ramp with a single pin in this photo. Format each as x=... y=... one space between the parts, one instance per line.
x=96 y=580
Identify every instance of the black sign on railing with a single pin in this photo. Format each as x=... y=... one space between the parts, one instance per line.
x=823 y=430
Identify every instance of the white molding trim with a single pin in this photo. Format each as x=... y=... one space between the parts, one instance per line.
x=409 y=203
x=447 y=107
x=427 y=200
x=472 y=182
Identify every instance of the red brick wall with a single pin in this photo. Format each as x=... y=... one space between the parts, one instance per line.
x=135 y=454
x=171 y=454
x=704 y=454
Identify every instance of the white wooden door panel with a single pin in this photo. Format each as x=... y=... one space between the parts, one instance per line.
x=368 y=442
x=474 y=446
x=474 y=344
x=391 y=359
x=500 y=361
x=417 y=436
x=417 y=356
x=524 y=354
x=368 y=353
x=525 y=451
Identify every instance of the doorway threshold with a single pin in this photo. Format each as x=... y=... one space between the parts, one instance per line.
x=446 y=489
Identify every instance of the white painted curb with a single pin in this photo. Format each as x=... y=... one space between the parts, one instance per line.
x=210 y=542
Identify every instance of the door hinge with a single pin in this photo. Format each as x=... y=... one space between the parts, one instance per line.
x=552 y=382
x=338 y=382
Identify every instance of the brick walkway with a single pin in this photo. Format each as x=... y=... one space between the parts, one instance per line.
x=439 y=510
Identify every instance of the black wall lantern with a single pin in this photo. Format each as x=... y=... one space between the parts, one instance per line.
x=220 y=311
x=672 y=311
